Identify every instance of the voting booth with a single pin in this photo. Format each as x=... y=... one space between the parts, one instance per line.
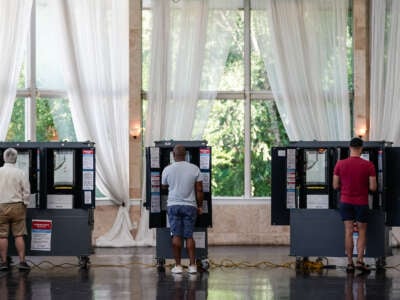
x=302 y=196
x=157 y=158
x=60 y=213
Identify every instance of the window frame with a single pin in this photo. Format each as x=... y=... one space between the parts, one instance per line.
x=31 y=91
x=247 y=95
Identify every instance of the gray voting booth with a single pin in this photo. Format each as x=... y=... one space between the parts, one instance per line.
x=60 y=213
x=302 y=197
x=157 y=158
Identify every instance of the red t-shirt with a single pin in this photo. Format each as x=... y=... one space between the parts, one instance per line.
x=354 y=173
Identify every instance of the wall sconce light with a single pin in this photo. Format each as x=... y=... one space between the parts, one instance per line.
x=360 y=132
x=135 y=130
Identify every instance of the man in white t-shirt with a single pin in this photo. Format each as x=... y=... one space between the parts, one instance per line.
x=185 y=201
x=14 y=198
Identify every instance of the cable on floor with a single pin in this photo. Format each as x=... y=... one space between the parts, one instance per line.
x=303 y=265
x=228 y=263
x=47 y=265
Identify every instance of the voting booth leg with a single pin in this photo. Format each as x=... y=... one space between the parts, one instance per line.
x=164 y=248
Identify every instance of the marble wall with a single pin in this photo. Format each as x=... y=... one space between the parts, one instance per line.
x=242 y=224
x=233 y=224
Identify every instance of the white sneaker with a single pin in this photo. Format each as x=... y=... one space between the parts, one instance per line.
x=177 y=277
x=192 y=269
x=177 y=269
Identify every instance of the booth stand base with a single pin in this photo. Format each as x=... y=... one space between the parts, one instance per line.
x=59 y=232
x=164 y=248
x=320 y=233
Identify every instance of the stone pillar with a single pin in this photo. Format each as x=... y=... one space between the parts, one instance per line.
x=361 y=67
x=135 y=99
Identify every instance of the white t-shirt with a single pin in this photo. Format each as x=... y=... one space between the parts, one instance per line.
x=181 y=177
x=14 y=185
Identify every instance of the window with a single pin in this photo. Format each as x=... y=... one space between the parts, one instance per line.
x=41 y=111
x=243 y=124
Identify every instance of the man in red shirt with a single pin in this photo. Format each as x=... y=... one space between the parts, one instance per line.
x=355 y=176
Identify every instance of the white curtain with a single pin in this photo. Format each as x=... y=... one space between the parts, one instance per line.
x=178 y=43
x=15 y=18
x=303 y=44
x=385 y=71
x=94 y=38
x=190 y=43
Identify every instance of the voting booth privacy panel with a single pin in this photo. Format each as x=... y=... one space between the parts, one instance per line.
x=157 y=158
x=62 y=179
x=302 y=196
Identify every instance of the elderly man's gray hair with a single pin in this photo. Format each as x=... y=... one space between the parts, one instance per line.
x=10 y=156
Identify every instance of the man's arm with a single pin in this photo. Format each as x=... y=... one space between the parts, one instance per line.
x=336 y=182
x=199 y=194
x=26 y=190
x=372 y=183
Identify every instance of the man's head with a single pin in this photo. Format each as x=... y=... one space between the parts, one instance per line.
x=10 y=156
x=356 y=146
x=356 y=142
x=179 y=152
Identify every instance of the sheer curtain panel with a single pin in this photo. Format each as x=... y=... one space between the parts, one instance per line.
x=15 y=18
x=178 y=42
x=385 y=71
x=95 y=59
x=303 y=44
x=190 y=44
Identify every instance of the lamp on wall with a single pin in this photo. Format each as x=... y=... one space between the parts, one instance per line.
x=135 y=130
x=361 y=131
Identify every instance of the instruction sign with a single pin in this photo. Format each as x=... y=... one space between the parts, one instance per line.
x=41 y=235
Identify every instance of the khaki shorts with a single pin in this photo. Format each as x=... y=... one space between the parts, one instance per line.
x=14 y=215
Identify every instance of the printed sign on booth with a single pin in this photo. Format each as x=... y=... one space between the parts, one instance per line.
x=41 y=235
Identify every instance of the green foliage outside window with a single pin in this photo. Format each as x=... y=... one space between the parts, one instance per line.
x=267 y=131
x=224 y=133
x=53 y=121
x=16 y=129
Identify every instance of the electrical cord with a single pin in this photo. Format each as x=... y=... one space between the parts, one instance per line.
x=228 y=263
x=305 y=265
x=47 y=265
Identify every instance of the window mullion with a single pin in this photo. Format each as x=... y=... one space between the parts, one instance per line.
x=247 y=106
x=30 y=103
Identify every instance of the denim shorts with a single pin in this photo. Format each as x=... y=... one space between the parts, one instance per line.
x=350 y=212
x=182 y=219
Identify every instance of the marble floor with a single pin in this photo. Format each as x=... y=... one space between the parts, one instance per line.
x=235 y=272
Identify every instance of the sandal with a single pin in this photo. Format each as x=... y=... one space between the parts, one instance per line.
x=361 y=266
x=350 y=268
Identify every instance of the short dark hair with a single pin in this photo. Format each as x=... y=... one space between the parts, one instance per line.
x=356 y=142
x=179 y=150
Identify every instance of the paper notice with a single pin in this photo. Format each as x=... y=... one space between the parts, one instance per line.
x=87 y=159
x=41 y=235
x=205 y=158
x=154 y=157
x=206 y=181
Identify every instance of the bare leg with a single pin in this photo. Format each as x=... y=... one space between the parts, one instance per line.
x=20 y=245
x=362 y=240
x=176 y=249
x=348 y=240
x=191 y=249
x=3 y=249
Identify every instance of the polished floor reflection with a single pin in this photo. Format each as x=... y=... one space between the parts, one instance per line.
x=234 y=273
